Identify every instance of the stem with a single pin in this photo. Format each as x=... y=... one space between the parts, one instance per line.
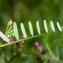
x=19 y=40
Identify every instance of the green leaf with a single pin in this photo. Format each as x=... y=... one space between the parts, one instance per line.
x=9 y=29
x=9 y=26
x=4 y=37
x=15 y=30
x=10 y=22
x=23 y=30
x=30 y=28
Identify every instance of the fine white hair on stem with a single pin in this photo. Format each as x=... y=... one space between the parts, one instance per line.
x=52 y=26
x=59 y=27
x=45 y=26
x=38 y=27
x=30 y=28
x=23 y=30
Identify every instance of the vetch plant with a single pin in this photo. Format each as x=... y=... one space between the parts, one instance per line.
x=11 y=36
x=12 y=29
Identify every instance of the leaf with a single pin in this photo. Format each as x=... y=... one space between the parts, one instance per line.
x=9 y=29
x=38 y=27
x=9 y=25
x=59 y=27
x=45 y=26
x=10 y=22
x=4 y=37
x=23 y=30
x=15 y=30
x=30 y=28
x=52 y=25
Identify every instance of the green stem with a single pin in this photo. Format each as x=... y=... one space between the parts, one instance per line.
x=19 y=41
